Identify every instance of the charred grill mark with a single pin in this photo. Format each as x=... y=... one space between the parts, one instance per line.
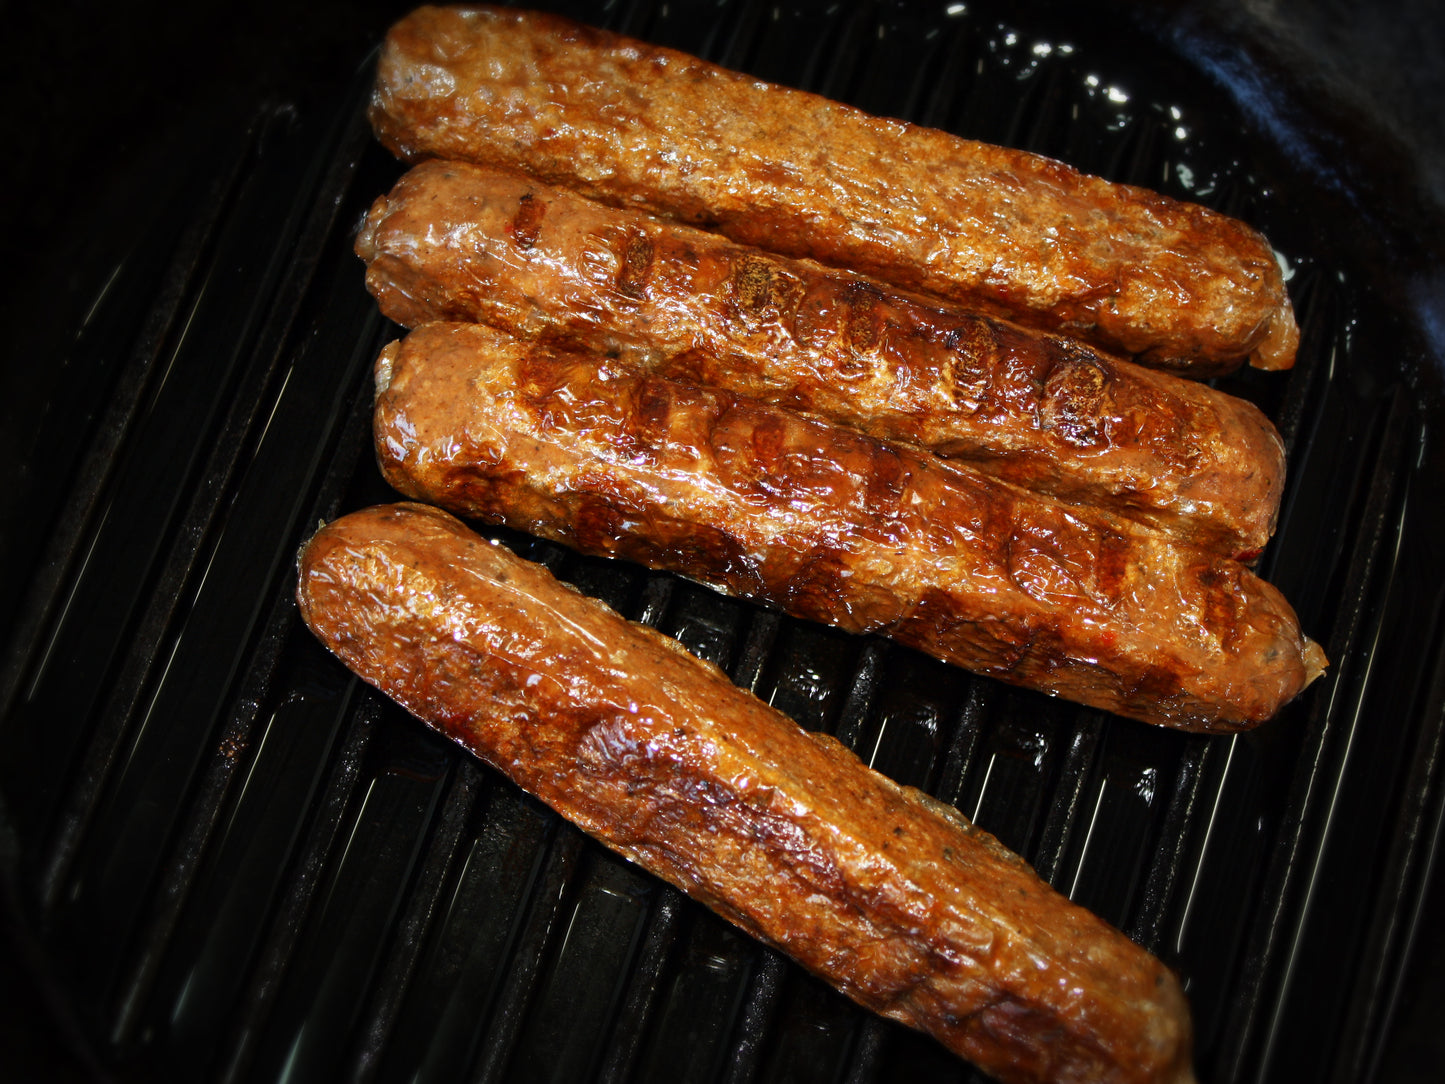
x=654 y=405
x=751 y=282
x=769 y=443
x=526 y=225
x=1221 y=591
x=651 y=420
x=862 y=302
x=1111 y=569
x=1075 y=395
x=762 y=287
x=972 y=349
x=539 y=373
x=636 y=266
x=690 y=367
x=887 y=482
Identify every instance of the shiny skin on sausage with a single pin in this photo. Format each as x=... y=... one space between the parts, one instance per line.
x=454 y=241
x=890 y=896
x=1010 y=233
x=830 y=525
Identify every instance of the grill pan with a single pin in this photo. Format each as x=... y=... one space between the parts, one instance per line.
x=227 y=860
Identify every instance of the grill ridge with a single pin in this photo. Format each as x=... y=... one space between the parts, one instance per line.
x=1318 y=762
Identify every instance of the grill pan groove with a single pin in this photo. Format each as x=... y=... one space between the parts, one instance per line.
x=1321 y=760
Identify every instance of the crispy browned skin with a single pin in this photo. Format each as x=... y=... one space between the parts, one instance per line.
x=454 y=241
x=893 y=898
x=1012 y=233
x=834 y=526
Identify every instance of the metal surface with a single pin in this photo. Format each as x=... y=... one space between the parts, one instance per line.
x=229 y=861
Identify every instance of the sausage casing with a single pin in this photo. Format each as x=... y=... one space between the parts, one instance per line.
x=893 y=898
x=454 y=241
x=1011 y=233
x=834 y=526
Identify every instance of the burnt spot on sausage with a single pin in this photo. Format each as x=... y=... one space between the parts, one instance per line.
x=769 y=441
x=861 y=327
x=652 y=411
x=762 y=288
x=636 y=265
x=1111 y=568
x=540 y=373
x=973 y=348
x=751 y=450
x=526 y=224
x=752 y=279
x=887 y=481
x=1075 y=400
x=1222 y=597
x=691 y=367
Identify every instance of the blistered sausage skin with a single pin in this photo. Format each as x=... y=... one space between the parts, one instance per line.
x=454 y=241
x=1010 y=233
x=834 y=526
x=893 y=898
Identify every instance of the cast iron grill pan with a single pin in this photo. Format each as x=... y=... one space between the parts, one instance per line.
x=241 y=864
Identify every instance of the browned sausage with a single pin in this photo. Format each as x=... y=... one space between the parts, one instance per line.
x=890 y=896
x=1014 y=234
x=453 y=241
x=834 y=526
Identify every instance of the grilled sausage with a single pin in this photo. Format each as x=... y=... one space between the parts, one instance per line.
x=834 y=526
x=462 y=242
x=890 y=896
x=1011 y=233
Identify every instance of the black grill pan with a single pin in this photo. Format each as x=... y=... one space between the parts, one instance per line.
x=227 y=860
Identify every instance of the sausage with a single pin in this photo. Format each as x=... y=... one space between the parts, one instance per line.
x=834 y=526
x=887 y=894
x=1010 y=233
x=462 y=242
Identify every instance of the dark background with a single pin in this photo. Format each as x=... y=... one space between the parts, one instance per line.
x=102 y=102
